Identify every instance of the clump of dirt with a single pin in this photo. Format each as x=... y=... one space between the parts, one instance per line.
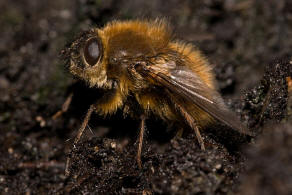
x=182 y=168
x=269 y=99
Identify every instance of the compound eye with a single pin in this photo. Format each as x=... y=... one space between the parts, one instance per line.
x=92 y=51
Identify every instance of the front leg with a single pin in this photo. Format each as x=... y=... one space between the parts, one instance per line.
x=65 y=107
x=84 y=124
x=79 y=134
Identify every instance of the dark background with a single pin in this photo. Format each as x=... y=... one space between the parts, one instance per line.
x=239 y=37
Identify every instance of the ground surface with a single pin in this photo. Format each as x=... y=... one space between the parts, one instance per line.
x=249 y=45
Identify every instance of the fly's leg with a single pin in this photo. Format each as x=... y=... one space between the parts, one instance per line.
x=65 y=107
x=189 y=119
x=79 y=134
x=84 y=124
x=140 y=141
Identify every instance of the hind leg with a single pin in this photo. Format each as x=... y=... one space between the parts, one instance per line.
x=190 y=121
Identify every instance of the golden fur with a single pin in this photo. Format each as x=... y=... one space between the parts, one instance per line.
x=148 y=38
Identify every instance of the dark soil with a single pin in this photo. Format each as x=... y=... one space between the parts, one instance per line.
x=247 y=42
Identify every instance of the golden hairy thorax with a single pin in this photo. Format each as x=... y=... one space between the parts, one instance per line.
x=136 y=41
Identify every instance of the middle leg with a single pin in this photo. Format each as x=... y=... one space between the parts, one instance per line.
x=140 y=141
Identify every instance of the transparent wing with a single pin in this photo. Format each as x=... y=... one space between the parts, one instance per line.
x=185 y=86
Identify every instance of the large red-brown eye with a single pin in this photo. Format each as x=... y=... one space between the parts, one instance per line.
x=92 y=51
